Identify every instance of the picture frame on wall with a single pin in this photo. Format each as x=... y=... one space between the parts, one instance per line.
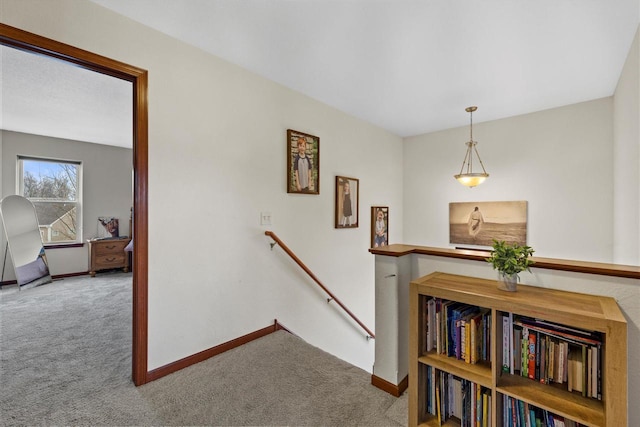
x=108 y=227
x=303 y=163
x=379 y=226
x=347 y=202
x=479 y=223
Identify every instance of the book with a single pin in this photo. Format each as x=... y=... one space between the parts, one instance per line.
x=575 y=369
x=516 y=350
x=543 y=359
x=506 y=346
x=531 y=356
x=568 y=334
x=599 y=373
x=588 y=371
x=432 y=321
x=551 y=365
x=561 y=364
x=524 y=359
x=438 y=332
x=584 y=370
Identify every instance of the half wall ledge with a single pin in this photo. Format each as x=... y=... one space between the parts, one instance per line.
x=603 y=269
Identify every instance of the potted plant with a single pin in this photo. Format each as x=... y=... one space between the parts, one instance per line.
x=509 y=260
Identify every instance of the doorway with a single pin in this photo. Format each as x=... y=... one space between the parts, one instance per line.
x=33 y=43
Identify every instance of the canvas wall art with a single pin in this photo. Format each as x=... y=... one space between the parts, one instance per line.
x=478 y=223
x=108 y=227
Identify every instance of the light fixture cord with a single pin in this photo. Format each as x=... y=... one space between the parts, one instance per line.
x=471 y=144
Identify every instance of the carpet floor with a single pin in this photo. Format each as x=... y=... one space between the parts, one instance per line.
x=65 y=359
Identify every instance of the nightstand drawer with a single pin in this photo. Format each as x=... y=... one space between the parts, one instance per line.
x=110 y=247
x=109 y=261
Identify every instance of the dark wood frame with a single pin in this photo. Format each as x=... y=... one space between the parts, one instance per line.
x=314 y=156
x=340 y=180
x=374 y=218
x=29 y=42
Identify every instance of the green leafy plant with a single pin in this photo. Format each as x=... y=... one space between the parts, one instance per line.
x=510 y=259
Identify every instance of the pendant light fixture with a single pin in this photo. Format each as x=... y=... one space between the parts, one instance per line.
x=470 y=178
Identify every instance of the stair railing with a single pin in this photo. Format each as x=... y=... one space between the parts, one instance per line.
x=277 y=241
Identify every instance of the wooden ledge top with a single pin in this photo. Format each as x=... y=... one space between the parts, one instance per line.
x=603 y=269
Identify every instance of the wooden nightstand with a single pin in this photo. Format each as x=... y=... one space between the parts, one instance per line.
x=105 y=254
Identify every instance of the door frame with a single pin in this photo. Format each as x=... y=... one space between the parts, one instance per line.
x=26 y=41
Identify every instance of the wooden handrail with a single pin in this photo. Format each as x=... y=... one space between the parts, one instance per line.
x=297 y=260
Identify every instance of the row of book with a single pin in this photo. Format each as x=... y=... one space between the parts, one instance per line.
x=458 y=330
x=553 y=353
x=449 y=396
x=517 y=413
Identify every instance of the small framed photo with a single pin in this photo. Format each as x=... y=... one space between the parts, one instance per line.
x=108 y=227
x=379 y=226
x=347 y=204
x=303 y=163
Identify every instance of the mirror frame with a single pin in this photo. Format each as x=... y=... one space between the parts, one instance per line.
x=25 y=220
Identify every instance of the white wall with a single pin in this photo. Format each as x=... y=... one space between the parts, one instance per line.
x=216 y=160
x=626 y=131
x=559 y=161
x=106 y=188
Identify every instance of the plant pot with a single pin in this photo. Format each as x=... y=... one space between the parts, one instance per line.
x=508 y=282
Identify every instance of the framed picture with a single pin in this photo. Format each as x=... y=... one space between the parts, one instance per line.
x=347 y=203
x=108 y=227
x=303 y=163
x=478 y=223
x=379 y=226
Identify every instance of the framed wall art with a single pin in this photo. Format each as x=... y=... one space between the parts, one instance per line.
x=108 y=227
x=478 y=223
x=379 y=226
x=303 y=163
x=347 y=202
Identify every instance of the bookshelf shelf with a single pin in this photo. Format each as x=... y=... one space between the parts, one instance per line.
x=553 y=398
x=479 y=373
x=433 y=422
x=564 y=309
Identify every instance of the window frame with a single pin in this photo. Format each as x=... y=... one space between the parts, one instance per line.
x=78 y=202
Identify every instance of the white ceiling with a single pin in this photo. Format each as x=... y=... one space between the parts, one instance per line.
x=413 y=66
x=407 y=66
x=45 y=96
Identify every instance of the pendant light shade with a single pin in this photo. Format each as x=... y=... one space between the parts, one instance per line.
x=467 y=176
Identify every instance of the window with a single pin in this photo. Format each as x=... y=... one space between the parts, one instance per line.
x=54 y=187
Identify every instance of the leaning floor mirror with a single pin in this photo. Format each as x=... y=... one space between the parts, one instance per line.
x=24 y=242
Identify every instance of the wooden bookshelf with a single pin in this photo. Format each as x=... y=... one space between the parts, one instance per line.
x=587 y=312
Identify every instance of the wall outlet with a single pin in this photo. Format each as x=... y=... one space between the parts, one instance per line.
x=265 y=218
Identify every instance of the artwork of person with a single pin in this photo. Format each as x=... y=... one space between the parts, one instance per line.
x=475 y=222
x=110 y=227
x=380 y=230
x=302 y=167
x=347 y=208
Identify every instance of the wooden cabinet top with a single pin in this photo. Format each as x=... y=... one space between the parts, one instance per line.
x=570 y=308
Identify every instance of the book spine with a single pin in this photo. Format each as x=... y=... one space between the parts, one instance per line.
x=468 y=347
x=599 y=372
x=531 y=356
x=589 y=377
x=524 y=359
x=543 y=359
x=506 y=345
x=429 y=325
